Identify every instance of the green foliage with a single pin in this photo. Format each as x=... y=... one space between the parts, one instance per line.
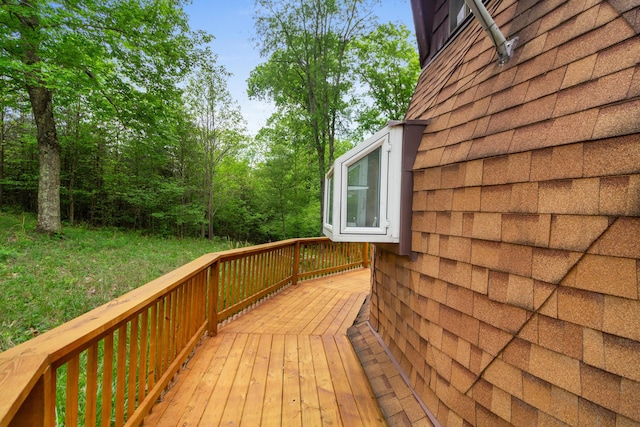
x=287 y=181
x=219 y=137
x=138 y=48
x=46 y=281
x=306 y=71
x=151 y=139
x=388 y=68
x=131 y=54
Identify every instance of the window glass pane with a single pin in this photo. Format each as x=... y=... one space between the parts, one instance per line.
x=458 y=10
x=363 y=191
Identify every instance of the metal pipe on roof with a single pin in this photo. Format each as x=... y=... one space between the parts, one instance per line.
x=503 y=46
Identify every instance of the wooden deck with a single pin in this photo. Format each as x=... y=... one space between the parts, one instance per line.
x=287 y=362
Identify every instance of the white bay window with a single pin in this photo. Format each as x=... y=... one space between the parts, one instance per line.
x=368 y=190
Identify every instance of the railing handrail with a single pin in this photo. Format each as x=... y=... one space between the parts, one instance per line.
x=50 y=349
x=106 y=316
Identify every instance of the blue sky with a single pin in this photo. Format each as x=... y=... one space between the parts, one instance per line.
x=231 y=22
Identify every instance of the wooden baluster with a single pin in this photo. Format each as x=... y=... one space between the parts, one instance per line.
x=214 y=285
x=237 y=295
x=201 y=296
x=285 y=262
x=184 y=316
x=133 y=363
x=237 y=283
x=256 y=272
x=277 y=263
x=345 y=251
x=269 y=268
x=365 y=255
x=144 y=347
x=92 y=386
x=195 y=303
x=161 y=344
x=261 y=271
x=221 y=287
x=185 y=310
x=199 y=299
x=169 y=330
x=176 y=326
x=227 y=285
x=282 y=264
x=296 y=263
x=107 y=380
x=244 y=293
x=325 y=258
x=153 y=347
x=121 y=374
x=274 y=266
x=71 y=406
x=251 y=277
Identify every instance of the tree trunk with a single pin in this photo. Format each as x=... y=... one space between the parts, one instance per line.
x=321 y=172
x=40 y=98
x=49 y=158
x=210 y=212
x=74 y=165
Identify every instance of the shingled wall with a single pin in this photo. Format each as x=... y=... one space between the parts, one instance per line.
x=522 y=306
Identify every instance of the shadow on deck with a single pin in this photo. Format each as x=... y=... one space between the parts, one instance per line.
x=289 y=361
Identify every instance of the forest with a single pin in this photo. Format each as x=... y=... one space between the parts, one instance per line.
x=118 y=114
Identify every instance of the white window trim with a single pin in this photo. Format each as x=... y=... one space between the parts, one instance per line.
x=388 y=229
x=328 y=202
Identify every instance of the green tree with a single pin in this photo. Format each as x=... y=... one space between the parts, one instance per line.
x=132 y=52
x=307 y=48
x=239 y=215
x=18 y=150
x=11 y=106
x=286 y=178
x=220 y=132
x=186 y=211
x=388 y=67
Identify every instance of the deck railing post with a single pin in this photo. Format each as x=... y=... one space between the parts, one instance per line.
x=365 y=255
x=296 y=263
x=213 y=279
x=39 y=406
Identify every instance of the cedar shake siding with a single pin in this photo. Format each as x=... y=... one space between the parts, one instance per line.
x=522 y=305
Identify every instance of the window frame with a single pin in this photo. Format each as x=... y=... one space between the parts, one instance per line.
x=383 y=188
x=327 y=216
x=455 y=20
x=335 y=225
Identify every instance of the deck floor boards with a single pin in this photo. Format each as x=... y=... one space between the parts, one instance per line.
x=287 y=362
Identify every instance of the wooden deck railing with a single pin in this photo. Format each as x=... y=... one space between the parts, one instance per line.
x=110 y=365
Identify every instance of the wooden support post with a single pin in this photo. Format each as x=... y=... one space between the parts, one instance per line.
x=365 y=255
x=213 y=283
x=38 y=409
x=296 y=263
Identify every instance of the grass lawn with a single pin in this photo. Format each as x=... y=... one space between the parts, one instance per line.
x=46 y=281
